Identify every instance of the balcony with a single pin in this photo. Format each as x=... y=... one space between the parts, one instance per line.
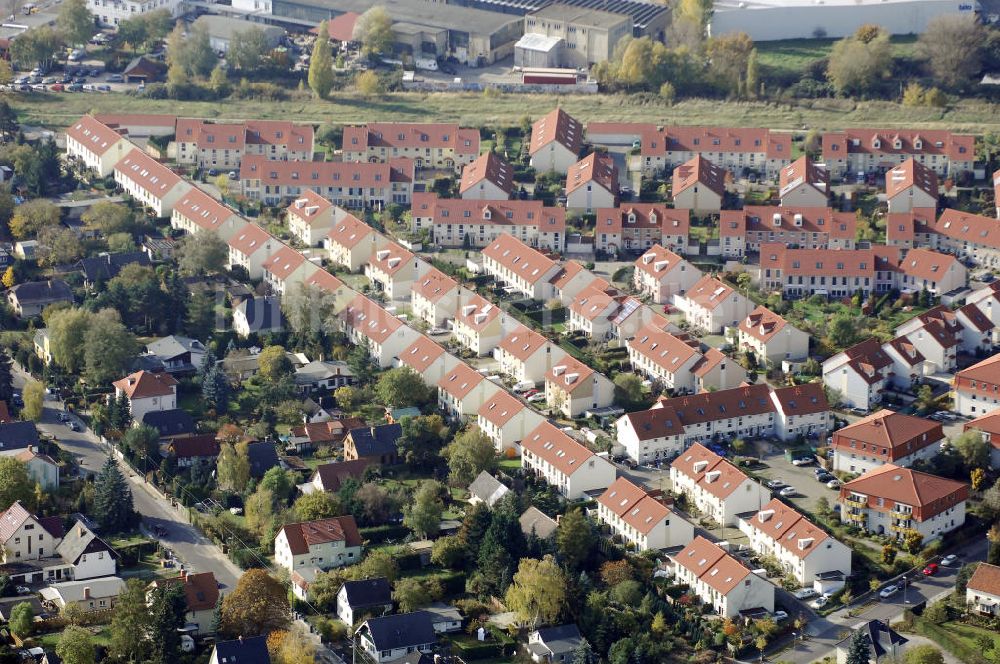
x=901 y=516
x=900 y=526
x=856 y=502
x=856 y=516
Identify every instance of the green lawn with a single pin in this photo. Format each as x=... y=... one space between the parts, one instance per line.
x=102 y=636
x=958 y=638
x=509 y=464
x=792 y=57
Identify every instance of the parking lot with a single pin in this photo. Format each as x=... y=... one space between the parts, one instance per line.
x=803 y=478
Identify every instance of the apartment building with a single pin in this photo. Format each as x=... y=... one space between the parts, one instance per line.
x=592 y=183
x=435 y=297
x=747 y=230
x=771 y=338
x=458 y=223
x=977 y=388
x=311 y=217
x=352 y=243
x=110 y=13
x=804 y=183
x=556 y=139
x=430 y=145
x=698 y=185
x=732 y=149
x=96 y=145
x=463 y=391
x=721 y=581
x=803 y=549
x=488 y=178
x=660 y=274
x=835 y=273
x=149 y=182
x=891 y=500
x=344 y=183
x=197 y=212
x=250 y=248
x=507 y=420
x=526 y=356
x=714 y=486
x=572 y=387
x=868 y=150
x=522 y=269
x=711 y=305
x=910 y=185
x=566 y=465
x=885 y=437
x=640 y=520
x=223 y=145
x=637 y=227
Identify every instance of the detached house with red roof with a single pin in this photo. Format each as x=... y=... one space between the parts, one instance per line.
x=526 y=356
x=699 y=186
x=488 y=178
x=982 y=591
x=463 y=391
x=96 y=145
x=937 y=335
x=569 y=467
x=306 y=548
x=640 y=520
x=149 y=182
x=479 y=325
x=937 y=273
x=25 y=536
x=435 y=297
x=749 y=229
x=803 y=549
x=977 y=388
x=556 y=139
x=368 y=324
x=201 y=592
x=523 y=269
x=393 y=269
x=351 y=242
x=771 y=338
x=429 y=145
x=732 y=149
x=147 y=392
x=636 y=227
x=804 y=183
x=885 y=437
x=711 y=305
x=459 y=223
x=506 y=420
x=311 y=217
x=660 y=274
x=891 y=500
x=572 y=387
x=428 y=359
x=870 y=150
x=287 y=268
x=592 y=183
x=910 y=185
x=198 y=212
x=250 y=248
x=716 y=487
x=721 y=581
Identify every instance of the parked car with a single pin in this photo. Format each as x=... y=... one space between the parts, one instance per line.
x=805 y=593
x=931 y=569
x=775 y=484
x=73 y=426
x=535 y=398
x=860 y=412
x=74 y=87
x=824 y=477
x=49 y=80
x=780 y=616
x=787 y=491
x=949 y=560
x=888 y=591
x=833 y=484
x=22 y=590
x=57 y=87
x=104 y=88
x=116 y=78
x=820 y=602
x=803 y=461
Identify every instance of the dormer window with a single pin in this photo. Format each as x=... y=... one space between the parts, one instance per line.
x=897 y=144
x=876 y=143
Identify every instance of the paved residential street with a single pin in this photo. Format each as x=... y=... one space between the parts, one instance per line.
x=197 y=553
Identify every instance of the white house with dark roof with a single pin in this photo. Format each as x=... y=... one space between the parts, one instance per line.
x=390 y=638
x=661 y=274
x=884 y=643
x=641 y=520
x=860 y=374
x=507 y=420
x=486 y=489
x=937 y=334
x=554 y=645
x=566 y=465
x=721 y=581
x=366 y=597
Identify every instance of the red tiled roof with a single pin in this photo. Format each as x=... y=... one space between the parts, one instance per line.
x=491 y=167
x=322 y=531
x=634 y=506
x=522 y=343
x=764 y=218
x=444 y=211
x=550 y=444
x=932 y=142
x=391 y=258
x=460 y=381
x=137 y=119
x=987 y=372
x=899 y=433
x=206 y=212
x=988 y=423
x=713 y=566
x=664 y=349
x=792 y=531
x=93 y=134
x=143 y=384
x=569 y=374
x=324 y=281
x=708 y=292
x=341 y=27
x=147 y=173
x=477 y=312
x=596 y=167
x=250 y=239
x=370 y=319
x=204 y=445
x=434 y=285
x=276 y=172
x=670 y=221
x=910 y=174
x=762 y=324
x=501 y=408
x=659 y=142
x=349 y=232
x=868 y=359
x=529 y=264
x=967 y=227
x=421 y=354
x=803 y=171
x=658 y=261
x=297 y=137
x=927 y=264
x=593 y=303
x=201 y=590
x=930 y=493
x=309 y=206
x=284 y=262
x=411 y=135
x=824 y=262
x=559 y=126
x=986 y=579
x=699 y=170
x=804 y=399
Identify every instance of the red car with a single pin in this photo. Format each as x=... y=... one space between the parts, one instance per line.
x=530 y=393
x=57 y=87
x=931 y=569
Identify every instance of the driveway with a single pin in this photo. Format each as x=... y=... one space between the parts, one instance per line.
x=196 y=552
x=808 y=490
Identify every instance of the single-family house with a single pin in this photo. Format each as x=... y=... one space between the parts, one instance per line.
x=258 y=315
x=29 y=299
x=462 y=391
x=771 y=338
x=488 y=178
x=720 y=580
x=365 y=598
x=982 y=591
x=147 y=392
x=88 y=595
x=884 y=643
x=910 y=185
x=572 y=387
x=486 y=489
x=804 y=183
x=201 y=593
x=699 y=186
x=592 y=183
x=554 y=645
x=390 y=638
x=556 y=139
x=305 y=548
x=660 y=274
x=374 y=444
x=507 y=420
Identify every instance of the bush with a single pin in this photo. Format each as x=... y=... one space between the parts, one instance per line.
x=382 y=534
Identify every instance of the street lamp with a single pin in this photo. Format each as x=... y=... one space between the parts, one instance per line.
x=905 y=600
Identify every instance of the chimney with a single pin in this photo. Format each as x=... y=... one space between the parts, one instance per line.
x=86 y=592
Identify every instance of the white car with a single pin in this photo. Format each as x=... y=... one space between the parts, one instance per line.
x=535 y=398
x=803 y=461
x=888 y=591
x=820 y=602
x=949 y=560
x=833 y=484
x=804 y=593
x=787 y=491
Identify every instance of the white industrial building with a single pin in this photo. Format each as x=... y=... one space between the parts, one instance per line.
x=769 y=20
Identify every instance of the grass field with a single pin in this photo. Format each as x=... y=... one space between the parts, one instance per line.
x=792 y=57
x=957 y=638
x=57 y=110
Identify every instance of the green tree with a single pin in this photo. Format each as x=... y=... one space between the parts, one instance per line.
x=258 y=605
x=538 y=592
x=215 y=389
x=131 y=619
x=259 y=512
x=109 y=217
x=843 y=331
x=973 y=448
x=34 y=400
x=368 y=83
x=280 y=482
x=110 y=349
x=859 y=649
x=449 y=552
x=422 y=439
x=273 y=364
x=412 y=593
x=143 y=442
x=76 y=646
x=953 y=45
x=859 y=63
x=317 y=505
x=75 y=22
x=628 y=391
x=22 y=619
x=923 y=653
x=729 y=55
x=575 y=539
x=584 y=654
x=423 y=515
x=912 y=541
x=321 y=65
x=374 y=30
x=218 y=80
x=200 y=320
x=247 y=49
x=202 y=253
x=36 y=47
x=6 y=377
x=190 y=54
x=57 y=246
x=31 y=217
x=753 y=85
x=889 y=554
x=470 y=453
x=15 y=482
x=233 y=467
x=167 y=616
x=113 y=509
x=401 y=386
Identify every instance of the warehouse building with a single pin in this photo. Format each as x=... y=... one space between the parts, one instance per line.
x=649 y=19
x=590 y=34
x=768 y=20
x=535 y=50
x=221 y=30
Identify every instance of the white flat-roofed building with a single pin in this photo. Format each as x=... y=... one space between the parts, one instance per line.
x=110 y=13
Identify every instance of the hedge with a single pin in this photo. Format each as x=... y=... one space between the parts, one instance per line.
x=382 y=534
x=131 y=554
